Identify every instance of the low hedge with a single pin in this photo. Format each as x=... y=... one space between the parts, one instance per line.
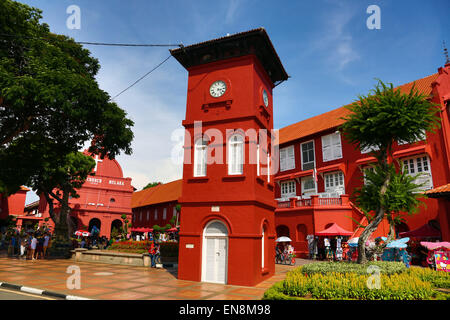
x=386 y=267
x=169 y=249
x=350 y=286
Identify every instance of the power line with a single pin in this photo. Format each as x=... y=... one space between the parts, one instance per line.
x=134 y=83
x=108 y=44
x=94 y=43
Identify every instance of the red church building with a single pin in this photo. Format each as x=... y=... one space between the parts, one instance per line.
x=319 y=170
x=104 y=198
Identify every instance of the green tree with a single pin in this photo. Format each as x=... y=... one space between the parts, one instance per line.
x=151 y=185
x=377 y=121
x=49 y=97
x=50 y=107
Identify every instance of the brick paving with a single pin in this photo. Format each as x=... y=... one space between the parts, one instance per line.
x=117 y=282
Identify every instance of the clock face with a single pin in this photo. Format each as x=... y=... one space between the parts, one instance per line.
x=265 y=98
x=217 y=89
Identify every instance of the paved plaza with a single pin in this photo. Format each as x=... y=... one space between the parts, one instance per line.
x=117 y=282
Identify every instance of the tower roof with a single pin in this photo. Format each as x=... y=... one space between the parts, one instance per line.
x=254 y=41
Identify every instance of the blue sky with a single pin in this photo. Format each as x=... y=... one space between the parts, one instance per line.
x=325 y=46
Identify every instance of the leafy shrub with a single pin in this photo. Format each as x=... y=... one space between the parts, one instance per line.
x=168 y=249
x=386 y=267
x=403 y=286
x=438 y=279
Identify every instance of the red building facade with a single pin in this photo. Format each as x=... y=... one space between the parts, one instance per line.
x=319 y=170
x=155 y=206
x=14 y=204
x=104 y=198
x=227 y=222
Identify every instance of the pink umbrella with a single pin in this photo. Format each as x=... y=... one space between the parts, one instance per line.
x=435 y=245
x=82 y=233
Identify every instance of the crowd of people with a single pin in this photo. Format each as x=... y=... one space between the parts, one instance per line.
x=92 y=242
x=31 y=245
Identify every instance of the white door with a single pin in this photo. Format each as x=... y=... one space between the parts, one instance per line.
x=215 y=253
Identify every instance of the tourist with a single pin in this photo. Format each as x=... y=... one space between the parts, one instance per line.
x=23 y=246
x=46 y=240
x=29 y=239
x=40 y=247
x=83 y=242
x=33 y=246
x=12 y=245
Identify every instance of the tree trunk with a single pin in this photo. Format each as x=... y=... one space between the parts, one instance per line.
x=62 y=231
x=373 y=225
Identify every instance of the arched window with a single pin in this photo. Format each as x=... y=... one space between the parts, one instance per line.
x=200 y=157
x=263 y=248
x=236 y=154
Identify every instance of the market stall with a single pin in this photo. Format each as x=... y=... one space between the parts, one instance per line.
x=438 y=255
x=333 y=237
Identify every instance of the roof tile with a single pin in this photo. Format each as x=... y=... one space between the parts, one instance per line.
x=159 y=194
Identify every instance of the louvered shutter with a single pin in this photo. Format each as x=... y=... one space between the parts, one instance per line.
x=326 y=148
x=290 y=158
x=283 y=158
x=337 y=147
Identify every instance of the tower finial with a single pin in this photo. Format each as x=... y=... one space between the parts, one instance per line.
x=447 y=60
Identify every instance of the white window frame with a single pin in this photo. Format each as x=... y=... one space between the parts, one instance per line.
x=419 y=165
x=164 y=213
x=287 y=158
x=330 y=183
x=258 y=166
x=314 y=154
x=235 y=167
x=335 y=145
x=156 y=214
x=200 y=157
x=303 y=180
x=369 y=167
x=290 y=187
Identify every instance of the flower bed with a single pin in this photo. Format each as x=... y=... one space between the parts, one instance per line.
x=130 y=246
x=438 y=279
x=350 y=281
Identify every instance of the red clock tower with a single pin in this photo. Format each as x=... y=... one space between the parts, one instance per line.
x=227 y=220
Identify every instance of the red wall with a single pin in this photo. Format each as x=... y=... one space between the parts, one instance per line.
x=13 y=205
x=150 y=222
